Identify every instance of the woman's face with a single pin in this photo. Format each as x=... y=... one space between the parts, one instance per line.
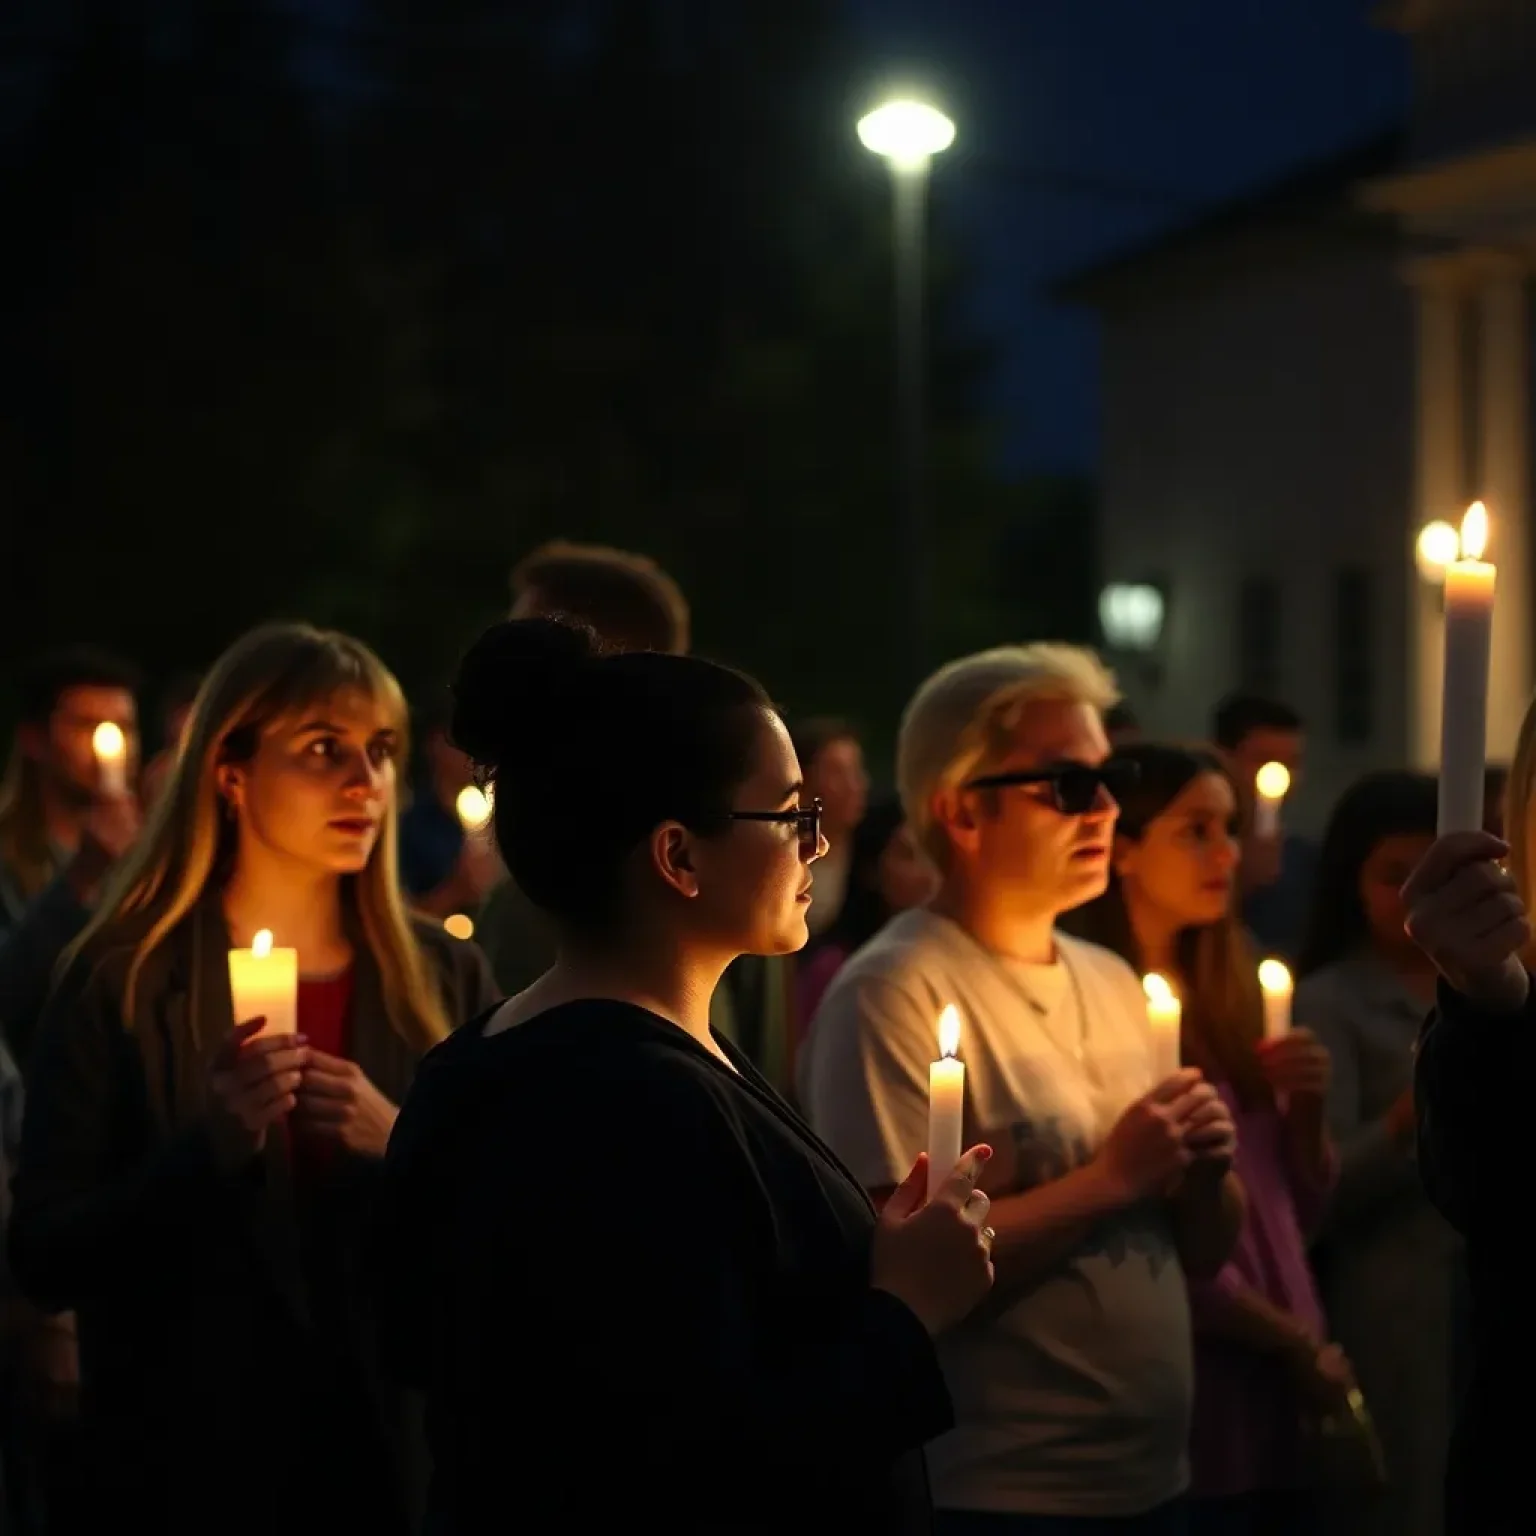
x=1184 y=863
x=753 y=880
x=317 y=791
x=905 y=876
x=1382 y=876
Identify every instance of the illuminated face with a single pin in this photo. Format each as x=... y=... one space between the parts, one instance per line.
x=1183 y=864
x=838 y=779
x=1382 y=877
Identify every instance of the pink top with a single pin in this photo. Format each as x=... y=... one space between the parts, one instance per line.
x=1246 y=1435
x=812 y=979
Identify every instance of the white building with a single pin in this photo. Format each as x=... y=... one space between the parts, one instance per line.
x=1295 y=385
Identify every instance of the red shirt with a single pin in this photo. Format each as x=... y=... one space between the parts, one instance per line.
x=325 y=1018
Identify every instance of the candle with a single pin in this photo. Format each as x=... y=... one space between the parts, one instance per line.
x=946 y=1102
x=1164 y=1018
x=1276 y=985
x=1469 y=584
x=1272 y=783
x=111 y=749
x=264 y=983
x=474 y=808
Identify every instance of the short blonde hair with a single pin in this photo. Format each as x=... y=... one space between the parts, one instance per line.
x=965 y=714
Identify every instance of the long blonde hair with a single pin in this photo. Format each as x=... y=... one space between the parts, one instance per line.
x=268 y=675
x=1519 y=824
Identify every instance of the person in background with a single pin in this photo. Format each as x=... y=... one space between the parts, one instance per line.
x=1110 y=1181
x=833 y=761
x=888 y=873
x=443 y=870
x=175 y=710
x=59 y=833
x=1121 y=724
x=766 y=1363
x=1277 y=876
x=195 y=1188
x=1388 y=1261
x=1263 y=1360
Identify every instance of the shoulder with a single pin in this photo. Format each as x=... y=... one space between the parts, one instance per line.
x=1101 y=970
x=460 y=966
x=912 y=959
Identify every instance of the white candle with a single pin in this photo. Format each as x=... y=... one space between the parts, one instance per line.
x=111 y=749
x=1165 y=1016
x=1469 y=584
x=1272 y=783
x=474 y=808
x=264 y=983
x=946 y=1102
x=1276 y=984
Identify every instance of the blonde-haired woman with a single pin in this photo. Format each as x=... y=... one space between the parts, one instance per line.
x=196 y=1189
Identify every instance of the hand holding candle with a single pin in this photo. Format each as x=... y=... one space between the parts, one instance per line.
x=1469 y=586
x=111 y=749
x=264 y=984
x=1271 y=784
x=946 y=1102
x=1165 y=1016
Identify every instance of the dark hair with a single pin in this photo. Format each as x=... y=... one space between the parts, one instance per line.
x=177 y=696
x=813 y=736
x=864 y=911
x=1392 y=803
x=1223 y=1007
x=626 y=598
x=587 y=749
x=50 y=676
x=1120 y=717
x=1239 y=715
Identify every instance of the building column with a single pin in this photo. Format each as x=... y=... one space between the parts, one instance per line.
x=1438 y=488
x=1504 y=485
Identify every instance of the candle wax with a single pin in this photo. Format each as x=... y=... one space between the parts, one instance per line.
x=1469 y=588
x=946 y=1115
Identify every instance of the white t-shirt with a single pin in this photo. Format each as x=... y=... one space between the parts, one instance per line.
x=1071 y=1397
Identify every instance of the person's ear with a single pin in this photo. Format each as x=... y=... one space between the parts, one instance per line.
x=231 y=782
x=959 y=812
x=672 y=857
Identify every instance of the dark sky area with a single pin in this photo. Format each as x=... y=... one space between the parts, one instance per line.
x=1066 y=108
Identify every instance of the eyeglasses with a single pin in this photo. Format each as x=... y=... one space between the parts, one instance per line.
x=1074 y=786
x=806 y=822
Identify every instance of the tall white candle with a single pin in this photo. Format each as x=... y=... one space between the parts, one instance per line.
x=264 y=983
x=1271 y=785
x=111 y=749
x=1165 y=1017
x=946 y=1102
x=1276 y=984
x=1469 y=585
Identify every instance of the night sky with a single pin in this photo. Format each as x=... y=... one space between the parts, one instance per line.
x=1062 y=103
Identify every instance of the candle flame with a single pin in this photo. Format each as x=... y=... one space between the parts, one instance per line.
x=474 y=808
x=1274 y=978
x=949 y=1031
x=1474 y=532
x=108 y=741
x=1273 y=781
x=459 y=926
x=1156 y=988
x=261 y=945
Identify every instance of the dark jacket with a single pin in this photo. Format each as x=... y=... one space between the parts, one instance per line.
x=1472 y=1093
x=635 y=1288
x=228 y=1370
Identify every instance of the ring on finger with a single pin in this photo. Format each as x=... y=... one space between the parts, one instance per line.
x=976 y=1206
x=988 y=1236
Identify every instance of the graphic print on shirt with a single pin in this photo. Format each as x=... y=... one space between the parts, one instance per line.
x=1045 y=1150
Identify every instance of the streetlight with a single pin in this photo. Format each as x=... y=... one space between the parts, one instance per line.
x=908 y=134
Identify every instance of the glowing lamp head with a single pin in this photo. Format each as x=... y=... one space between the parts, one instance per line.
x=1273 y=781
x=1438 y=546
x=1274 y=978
x=949 y=1031
x=1474 y=532
x=907 y=133
x=458 y=926
x=261 y=945
x=474 y=808
x=1156 y=988
x=108 y=742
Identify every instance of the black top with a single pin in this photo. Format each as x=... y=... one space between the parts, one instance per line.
x=633 y=1283
x=1472 y=1092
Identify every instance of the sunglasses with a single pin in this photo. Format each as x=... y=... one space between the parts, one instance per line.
x=806 y=822
x=1074 y=786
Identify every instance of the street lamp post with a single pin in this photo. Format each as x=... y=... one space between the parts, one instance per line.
x=907 y=135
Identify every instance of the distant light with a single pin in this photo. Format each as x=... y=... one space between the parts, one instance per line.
x=458 y=926
x=1131 y=614
x=908 y=133
x=1273 y=781
x=474 y=807
x=1438 y=546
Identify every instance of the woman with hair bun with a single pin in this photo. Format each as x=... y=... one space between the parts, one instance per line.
x=629 y=1279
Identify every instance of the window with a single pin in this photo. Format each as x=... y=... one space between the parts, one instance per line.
x=1258 y=635
x=1354 y=694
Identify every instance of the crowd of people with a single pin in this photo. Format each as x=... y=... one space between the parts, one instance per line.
x=592 y=1180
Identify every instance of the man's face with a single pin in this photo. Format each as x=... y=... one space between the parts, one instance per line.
x=1016 y=837
x=1268 y=746
x=62 y=748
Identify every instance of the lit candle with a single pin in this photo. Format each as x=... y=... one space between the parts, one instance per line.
x=474 y=808
x=264 y=983
x=111 y=749
x=946 y=1102
x=1164 y=1018
x=1469 y=584
x=459 y=926
x=1276 y=984
x=1272 y=783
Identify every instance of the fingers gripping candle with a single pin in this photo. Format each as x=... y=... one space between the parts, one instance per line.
x=946 y=1102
